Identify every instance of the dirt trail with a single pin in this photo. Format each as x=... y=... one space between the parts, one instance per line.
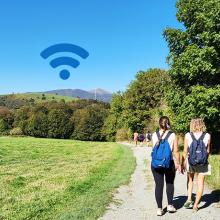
x=136 y=201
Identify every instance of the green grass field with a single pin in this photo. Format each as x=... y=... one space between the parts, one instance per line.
x=214 y=179
x=38 y=97
x=60 y=179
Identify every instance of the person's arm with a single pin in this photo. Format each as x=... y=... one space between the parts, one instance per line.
x=185 y=151
x=176 y=152
x=154 y=139
x=209 y=145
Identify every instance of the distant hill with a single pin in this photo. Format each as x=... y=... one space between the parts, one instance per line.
x=37 y=97
x=98 y=94
x=15 y=101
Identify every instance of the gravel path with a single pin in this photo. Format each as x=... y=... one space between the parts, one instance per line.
x=136 y=201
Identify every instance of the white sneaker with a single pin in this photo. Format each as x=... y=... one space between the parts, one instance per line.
x=171 y=209
x=160 y=212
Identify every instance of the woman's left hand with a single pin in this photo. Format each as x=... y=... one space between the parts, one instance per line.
x=178 y=167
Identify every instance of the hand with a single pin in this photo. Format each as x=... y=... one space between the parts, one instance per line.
x=183 y=169
x=178 y=167
x=185 y=165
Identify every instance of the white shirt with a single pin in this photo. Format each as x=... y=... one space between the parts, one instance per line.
x=171 y=138
x=197 y=136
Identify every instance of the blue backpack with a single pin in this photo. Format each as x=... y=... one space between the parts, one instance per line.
x=162 y=154
x=198 y=154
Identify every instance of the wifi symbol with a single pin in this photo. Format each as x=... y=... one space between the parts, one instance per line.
x=64 y=60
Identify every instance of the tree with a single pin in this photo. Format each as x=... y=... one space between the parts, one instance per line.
x=133 y=110
x=195 y=52
x=37 y=125
x=59 y=124
x=43 y=97
x=88 y=123
x=21 y=117
x=6 y=120
x=143 y=94
x=194 y=59
x=114 y=120
x=3 y=127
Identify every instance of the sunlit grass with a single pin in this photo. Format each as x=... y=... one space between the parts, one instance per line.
x=214 y=179
x=48 y=97
x=59 y=179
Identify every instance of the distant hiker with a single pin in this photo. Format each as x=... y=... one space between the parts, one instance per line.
x=148 y=138
x=135 y=138
x=162 y=164
x=195 y=159
x=141 y=138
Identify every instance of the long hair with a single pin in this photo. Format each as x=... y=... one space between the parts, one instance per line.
x=164 y=123
x=197 y=125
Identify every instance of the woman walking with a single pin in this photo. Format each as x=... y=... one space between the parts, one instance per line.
x=162 y=165
x=136 y=138
x=148 y=138
x=195 y=158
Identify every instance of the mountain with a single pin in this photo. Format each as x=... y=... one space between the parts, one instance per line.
x=99 y=94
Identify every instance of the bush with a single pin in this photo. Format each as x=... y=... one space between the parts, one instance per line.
x=16 y=132
x=122 y=134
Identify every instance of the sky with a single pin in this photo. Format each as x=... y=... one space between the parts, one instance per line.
x=121 y=36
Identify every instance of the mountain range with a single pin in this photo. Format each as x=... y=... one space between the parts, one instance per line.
x=99 y=94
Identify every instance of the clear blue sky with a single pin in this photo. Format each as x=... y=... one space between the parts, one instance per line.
x=122 y=37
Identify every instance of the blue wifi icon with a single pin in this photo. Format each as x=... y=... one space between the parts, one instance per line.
x=64 y=60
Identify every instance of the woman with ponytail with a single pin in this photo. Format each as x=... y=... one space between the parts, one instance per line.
x=164 y=138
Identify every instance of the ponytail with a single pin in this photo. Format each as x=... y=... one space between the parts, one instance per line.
x=164 y=123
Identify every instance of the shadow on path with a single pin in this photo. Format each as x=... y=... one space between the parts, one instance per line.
x=179 y=201
x=208 y=199
x=213 y=197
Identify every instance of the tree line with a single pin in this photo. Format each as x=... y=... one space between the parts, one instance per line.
x=79 y=119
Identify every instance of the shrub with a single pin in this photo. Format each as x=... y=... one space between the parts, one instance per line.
x=16 y=132
x=122 y=134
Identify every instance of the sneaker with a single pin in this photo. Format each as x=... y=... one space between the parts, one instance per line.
x=171 y=209
x=187 y=204
x=160 y=212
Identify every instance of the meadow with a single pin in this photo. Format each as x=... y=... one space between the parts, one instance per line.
x=60 y=179
x=38 y=97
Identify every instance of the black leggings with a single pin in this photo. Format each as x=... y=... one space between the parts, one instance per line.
x=159 y=182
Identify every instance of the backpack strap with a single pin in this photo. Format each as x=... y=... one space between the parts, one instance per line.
x=158 y=134
x=202 y=136
x=158 y=139
x=168 y=135
x=192 y=136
